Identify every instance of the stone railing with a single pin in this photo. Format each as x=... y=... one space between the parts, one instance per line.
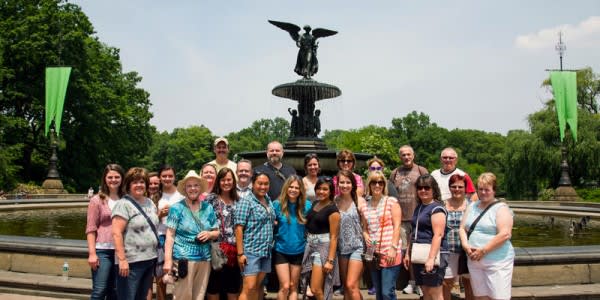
x=533 y=266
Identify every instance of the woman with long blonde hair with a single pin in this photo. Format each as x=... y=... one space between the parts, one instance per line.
x=290 y=211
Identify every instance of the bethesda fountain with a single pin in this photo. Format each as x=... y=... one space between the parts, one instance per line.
x=305 y=124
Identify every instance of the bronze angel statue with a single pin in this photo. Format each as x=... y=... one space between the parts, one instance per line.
x=307 y=64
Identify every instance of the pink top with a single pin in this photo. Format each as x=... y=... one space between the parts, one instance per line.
x=375 y=226
x=359 y=183
x=99 y=221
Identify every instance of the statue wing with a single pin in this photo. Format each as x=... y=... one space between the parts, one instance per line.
x=292 y=29
x=321 y=32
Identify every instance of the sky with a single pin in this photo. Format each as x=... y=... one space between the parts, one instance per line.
x=466 y=64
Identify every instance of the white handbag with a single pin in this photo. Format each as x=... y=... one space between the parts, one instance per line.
x=419 y=252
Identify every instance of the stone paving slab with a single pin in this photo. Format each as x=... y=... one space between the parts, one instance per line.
x=14 y=285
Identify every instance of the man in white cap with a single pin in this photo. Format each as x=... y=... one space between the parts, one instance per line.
x=221 y=149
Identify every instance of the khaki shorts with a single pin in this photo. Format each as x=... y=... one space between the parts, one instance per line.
x=405 y=232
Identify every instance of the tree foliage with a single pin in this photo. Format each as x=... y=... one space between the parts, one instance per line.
x=259 y=134
x=185 y=149
x=106 y=116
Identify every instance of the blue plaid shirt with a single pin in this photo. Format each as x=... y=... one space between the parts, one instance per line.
x=453 y=224
x=258 y=225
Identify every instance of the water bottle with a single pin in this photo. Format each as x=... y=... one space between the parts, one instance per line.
x=90 y=192
x=370 y=251
x=65 y=271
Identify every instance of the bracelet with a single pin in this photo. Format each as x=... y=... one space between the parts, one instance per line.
x=240 y=254
x=483 y=251
x=330 y=261
x=395 y=247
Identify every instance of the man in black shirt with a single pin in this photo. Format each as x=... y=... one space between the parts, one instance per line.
x=277 y=171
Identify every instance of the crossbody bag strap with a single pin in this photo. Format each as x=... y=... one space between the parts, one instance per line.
x=139 y=208
x=472 y=227
x=196 y=220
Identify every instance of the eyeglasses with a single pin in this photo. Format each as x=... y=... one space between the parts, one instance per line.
x=425 y=188
x=378 y=182
x=375 y=168
x=457 y=187
x=346 y=161
x=448 y=157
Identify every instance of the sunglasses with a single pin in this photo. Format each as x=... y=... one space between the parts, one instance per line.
x=448 y=157
x=325 y=178
x=425 y=188
x=346 y=161
x=375 y=168
x=378 y=182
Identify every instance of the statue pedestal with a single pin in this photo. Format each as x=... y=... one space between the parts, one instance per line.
x=53 y=186
x=307 y=145
x=565 y=193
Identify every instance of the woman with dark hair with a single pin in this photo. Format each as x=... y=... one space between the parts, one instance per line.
x=323 y=226
x=429 y=225
x=192 y=225
x=381 y=230
x=136 y=250
x=224 y=199
x=312 y=168
x=167 y=195
x=350 y=241
x=290 y=241
x=98 y=231
x=254 y=219
x=456 y=206
x=346 y=161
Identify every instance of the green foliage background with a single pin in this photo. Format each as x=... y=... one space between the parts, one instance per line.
x=106 y=119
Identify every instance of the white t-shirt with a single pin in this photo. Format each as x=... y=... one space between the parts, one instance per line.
x=230 y=164
x=167 y=200
x=442 y=181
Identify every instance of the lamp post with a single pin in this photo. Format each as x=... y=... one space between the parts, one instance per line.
x=565 y=190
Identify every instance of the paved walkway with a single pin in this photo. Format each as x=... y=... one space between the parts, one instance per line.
x=24 y=286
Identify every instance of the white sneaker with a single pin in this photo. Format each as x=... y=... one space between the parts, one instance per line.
x=408 y=289
x=418 y=291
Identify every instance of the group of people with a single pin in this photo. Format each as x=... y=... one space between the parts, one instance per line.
x=315 y=232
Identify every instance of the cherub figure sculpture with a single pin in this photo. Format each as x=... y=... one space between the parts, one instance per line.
x=307 y=64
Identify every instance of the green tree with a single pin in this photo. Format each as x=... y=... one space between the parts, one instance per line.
x=106 y=116
x=259 y=134
x=184 y=148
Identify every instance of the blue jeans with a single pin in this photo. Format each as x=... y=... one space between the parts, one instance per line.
x=103 y=279
x=384 y=282
x=136 y=285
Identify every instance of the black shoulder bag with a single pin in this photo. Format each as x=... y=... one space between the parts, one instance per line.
x=160 y=260
x=462 y=259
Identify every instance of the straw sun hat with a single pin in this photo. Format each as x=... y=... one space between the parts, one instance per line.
x=191 y=174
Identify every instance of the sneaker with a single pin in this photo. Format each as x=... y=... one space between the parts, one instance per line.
x=418 y=291
x=338 y=292
x=408 y=289
x=372 y=291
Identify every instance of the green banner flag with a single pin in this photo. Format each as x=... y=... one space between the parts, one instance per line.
x=564 y=86
x=57 y=80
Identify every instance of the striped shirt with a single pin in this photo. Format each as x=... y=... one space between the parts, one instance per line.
x=381 y=228
x=257 y=221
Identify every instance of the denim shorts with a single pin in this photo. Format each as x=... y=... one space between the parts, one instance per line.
x=256 y=264
x=354 y=255
x=321 y=238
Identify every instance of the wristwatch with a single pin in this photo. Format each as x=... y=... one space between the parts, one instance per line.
x=240 y=254
x=330 y=260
